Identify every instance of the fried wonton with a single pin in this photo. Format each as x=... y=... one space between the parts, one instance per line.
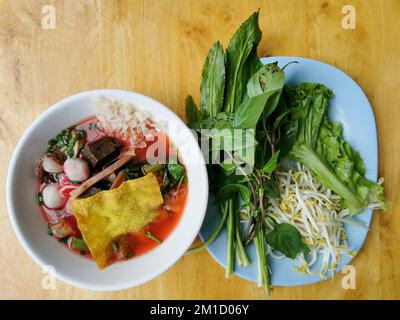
x=112 y=213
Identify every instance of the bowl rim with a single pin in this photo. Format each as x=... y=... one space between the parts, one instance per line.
x=11 y=176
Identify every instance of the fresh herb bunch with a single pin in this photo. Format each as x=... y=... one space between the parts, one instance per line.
x=238 y=92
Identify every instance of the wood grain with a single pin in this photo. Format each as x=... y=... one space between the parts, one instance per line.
x=158 y=48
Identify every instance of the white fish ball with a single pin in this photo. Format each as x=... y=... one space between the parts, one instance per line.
x=51 y=165
x=52 y=198
x=76 y=169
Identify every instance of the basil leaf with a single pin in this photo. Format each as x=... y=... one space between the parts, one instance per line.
x=247 y=155
x=213 y=81
x=219 y=180
x=228 y=167
x=271 y=164
x=268 y=78
x=192 y=112
x=229 y=190
x=229 y=139
x=271 y=189
x=249 y=112
x=242 y=61
x=290 y=129
x=286 y=239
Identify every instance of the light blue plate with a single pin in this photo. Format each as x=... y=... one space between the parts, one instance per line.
x=350 y=106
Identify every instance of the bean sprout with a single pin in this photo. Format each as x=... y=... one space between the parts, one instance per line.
x=316 y=212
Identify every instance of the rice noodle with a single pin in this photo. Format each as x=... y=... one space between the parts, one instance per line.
x=124 y=121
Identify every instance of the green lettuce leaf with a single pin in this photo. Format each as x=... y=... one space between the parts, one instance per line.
x=321 y=148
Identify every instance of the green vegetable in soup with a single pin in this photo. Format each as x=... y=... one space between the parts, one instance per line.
x=176 y=172
x=49 y=231
x=153 y=237
x=129 y=255
x=63 y=240
x=39 y=198
x=115 y=246
x=79 y=244
x=65 y=141
x=152 y=168
x=132 y=170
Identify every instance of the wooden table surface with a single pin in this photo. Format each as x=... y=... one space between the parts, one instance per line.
x=158 y=48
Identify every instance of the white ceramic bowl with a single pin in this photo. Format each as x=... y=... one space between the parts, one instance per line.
x=30 y=226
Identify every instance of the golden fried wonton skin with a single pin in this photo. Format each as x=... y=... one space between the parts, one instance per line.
x=112 y=213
